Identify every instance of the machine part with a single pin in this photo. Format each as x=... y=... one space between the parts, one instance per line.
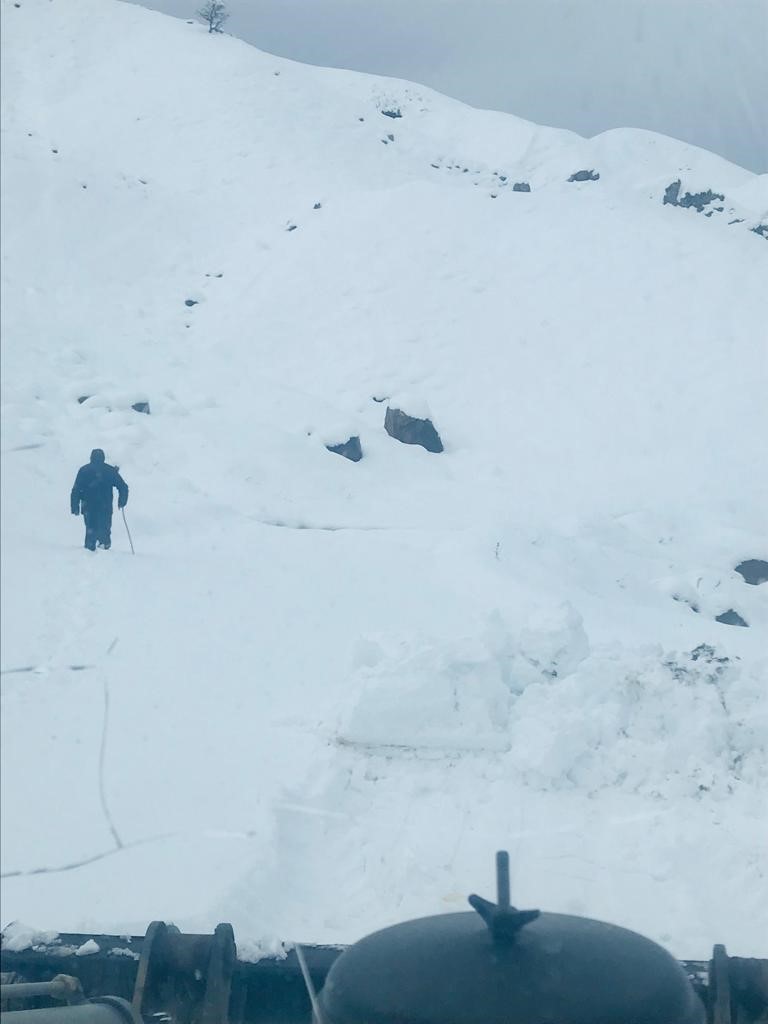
x=508 y=966
x=317 y=1013
x=738 y=989
x=503 y=920
x=63 y=987
x=720 y=987
x=187 y=977
x=164 y=973
x=449 y=970
x=218 y=979
x=102 y=1010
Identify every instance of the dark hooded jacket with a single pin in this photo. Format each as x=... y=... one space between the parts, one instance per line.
x=94 y=484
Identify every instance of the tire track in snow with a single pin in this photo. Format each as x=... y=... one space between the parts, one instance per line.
x=78 y=623
x=102 y=758
x=85 y=861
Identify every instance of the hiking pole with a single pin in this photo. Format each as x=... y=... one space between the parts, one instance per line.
x=128 y=531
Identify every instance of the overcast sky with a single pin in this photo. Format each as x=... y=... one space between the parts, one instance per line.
x=693 y=69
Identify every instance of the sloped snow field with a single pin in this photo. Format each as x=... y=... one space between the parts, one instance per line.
x=322 y=693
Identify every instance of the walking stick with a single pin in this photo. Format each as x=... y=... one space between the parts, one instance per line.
x=128 y=531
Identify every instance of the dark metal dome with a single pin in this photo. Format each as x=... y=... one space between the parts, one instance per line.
x=506 y=966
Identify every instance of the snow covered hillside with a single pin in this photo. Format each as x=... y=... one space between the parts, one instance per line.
x=323 y=692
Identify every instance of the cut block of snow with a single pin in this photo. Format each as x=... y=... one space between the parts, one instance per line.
x=666 y=724
x=429 y=696
x=552 y=643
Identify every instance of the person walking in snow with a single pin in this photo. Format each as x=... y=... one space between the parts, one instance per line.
x=92 y=495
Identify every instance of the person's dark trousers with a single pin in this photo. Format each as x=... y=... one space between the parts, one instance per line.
x=98 y=526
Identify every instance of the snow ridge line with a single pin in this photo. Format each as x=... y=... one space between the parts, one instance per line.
x=41 y=670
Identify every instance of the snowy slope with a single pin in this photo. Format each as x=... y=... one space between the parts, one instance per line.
x=317 y=677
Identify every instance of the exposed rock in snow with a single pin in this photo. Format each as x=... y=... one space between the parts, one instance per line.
x=697 y=200
x=731 y=618
x=590 y=175
x=350 y=449
x=754 y=571
x=412 y=429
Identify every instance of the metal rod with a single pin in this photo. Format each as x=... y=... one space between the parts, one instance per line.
x=128 y=531
x=63 y=986
x=317 y=1013
x=502 y=880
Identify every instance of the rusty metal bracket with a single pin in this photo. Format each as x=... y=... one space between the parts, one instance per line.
x=218 y=978
x=154 y=935
x=720 y=987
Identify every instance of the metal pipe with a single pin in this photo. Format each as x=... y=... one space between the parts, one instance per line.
x=104 y=1010
x=63 y=987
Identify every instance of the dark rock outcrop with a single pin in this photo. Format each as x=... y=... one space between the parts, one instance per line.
x=754 y=571
x=190 y=302
x=141 y=407
x=731 y=618
x=590 y=175
x=521 y=186
x=698 y=200
x=350 y=449
x=411 y=430
x=394 y=112
x=83 y=398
